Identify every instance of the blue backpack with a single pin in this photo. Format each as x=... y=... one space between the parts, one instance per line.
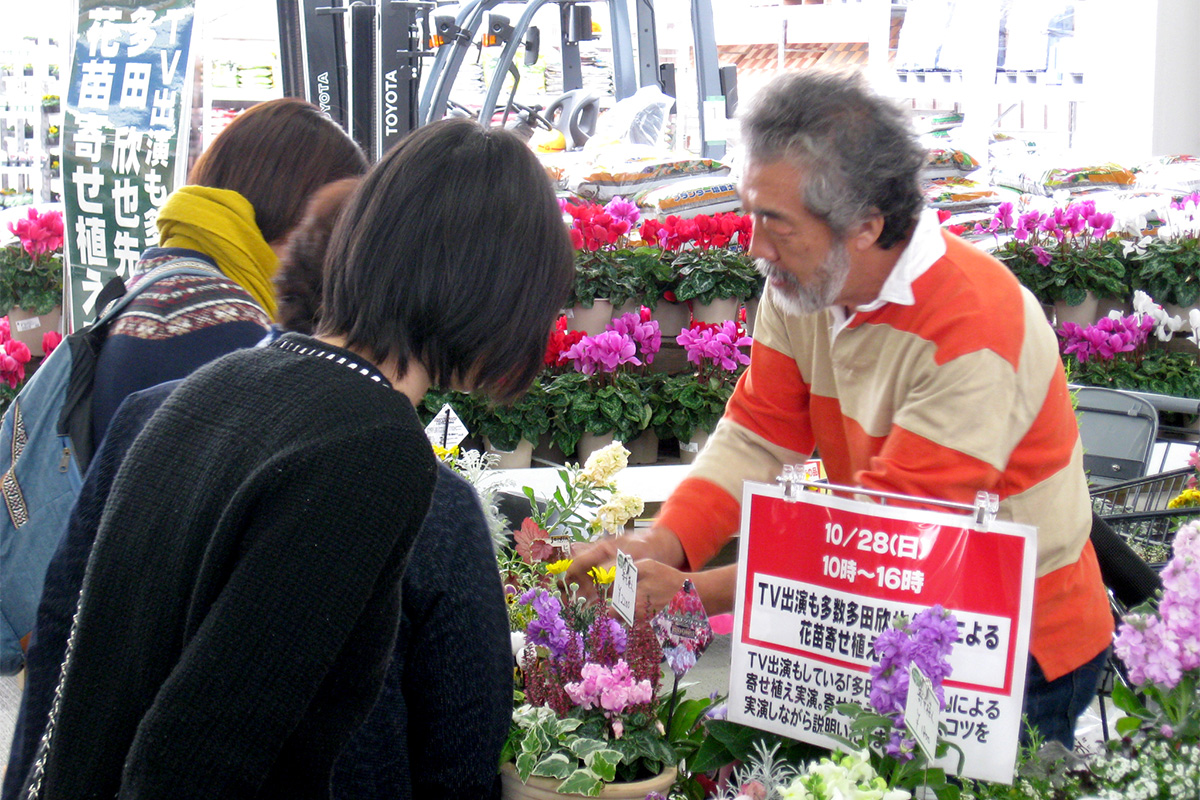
x=45 y=447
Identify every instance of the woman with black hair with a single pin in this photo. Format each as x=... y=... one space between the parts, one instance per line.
x=242 y=596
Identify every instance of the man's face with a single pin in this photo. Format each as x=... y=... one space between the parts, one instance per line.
x=804 y=262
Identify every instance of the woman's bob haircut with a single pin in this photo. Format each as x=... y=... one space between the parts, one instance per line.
x=452 y=251
x=275 y=154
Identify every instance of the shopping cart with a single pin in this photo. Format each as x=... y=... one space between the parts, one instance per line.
x=1138 y=512
x=1134 y=528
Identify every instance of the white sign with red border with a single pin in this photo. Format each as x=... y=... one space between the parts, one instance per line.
x=819 y=577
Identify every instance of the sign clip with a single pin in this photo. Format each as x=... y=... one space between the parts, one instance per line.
x=986 y=506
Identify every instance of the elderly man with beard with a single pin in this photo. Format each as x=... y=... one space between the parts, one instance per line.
x=909 y=360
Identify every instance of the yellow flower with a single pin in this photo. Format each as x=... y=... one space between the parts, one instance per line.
x=1188 y=498
x=603 y=465
x=560 y=566
x=602 y=576
x=445 y=454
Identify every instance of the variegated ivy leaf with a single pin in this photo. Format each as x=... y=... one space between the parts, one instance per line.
x=604 y=763
x=584 y=747
x=582 y=781
x=563 y=726
x=555 y=765
x=525 y=764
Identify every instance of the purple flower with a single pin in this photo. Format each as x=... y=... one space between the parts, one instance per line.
x=613 y=631
x=547 y=628
x=900 y=747
x=620 y=208
x=680 y=659
x=1043 y=257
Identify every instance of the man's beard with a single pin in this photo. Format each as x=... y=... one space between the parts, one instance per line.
x=796 y=299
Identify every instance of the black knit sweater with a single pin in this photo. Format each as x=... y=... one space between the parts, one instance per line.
x=237 y=629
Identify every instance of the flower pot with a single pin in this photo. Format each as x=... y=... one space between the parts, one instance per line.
x=643 y=449
x=543 y=788
x=717 y=311
x=590 y=443
x=519 y=458
x=546 y=452
x=691 y=448
x=671 y=318
x=1084 y=314
x=1106 y=305
x=27 y=327
x=751 y=313
x=590 y=320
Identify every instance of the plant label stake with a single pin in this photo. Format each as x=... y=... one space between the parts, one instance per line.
x=625 y=587
x=921 y=711
x=447 y=429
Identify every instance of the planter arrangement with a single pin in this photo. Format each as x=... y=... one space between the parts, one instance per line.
x=589 y=715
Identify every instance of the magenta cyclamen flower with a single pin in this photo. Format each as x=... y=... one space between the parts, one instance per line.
x=715 y=345
x=603 y=352
x=620 y=208
x=644 y=332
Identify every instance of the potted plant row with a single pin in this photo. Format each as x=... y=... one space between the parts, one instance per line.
x=31 y=277
x=659 y=265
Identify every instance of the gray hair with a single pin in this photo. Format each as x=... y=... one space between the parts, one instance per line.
x=857 y=149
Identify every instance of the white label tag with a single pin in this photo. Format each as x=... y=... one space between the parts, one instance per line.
x=624 y=598
x=921 y=711
x=447 y=429
x=27 y=324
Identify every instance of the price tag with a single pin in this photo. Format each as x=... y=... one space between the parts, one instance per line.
x=921 y=711
x=447 y=429
x=23 y=325
x=624 y=597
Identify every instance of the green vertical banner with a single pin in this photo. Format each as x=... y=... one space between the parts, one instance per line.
x=124 y=136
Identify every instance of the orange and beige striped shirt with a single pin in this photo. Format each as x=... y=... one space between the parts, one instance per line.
x=958 y=391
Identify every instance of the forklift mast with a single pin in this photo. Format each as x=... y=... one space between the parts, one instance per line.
x=363 y=63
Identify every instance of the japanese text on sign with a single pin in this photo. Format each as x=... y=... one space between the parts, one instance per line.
x=821 y=577
x=122 y=126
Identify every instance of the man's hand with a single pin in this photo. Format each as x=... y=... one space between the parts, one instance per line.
x=658 y=544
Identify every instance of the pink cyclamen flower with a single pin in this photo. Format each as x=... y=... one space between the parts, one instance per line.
x=643 y=330
x=603 y=352
x=621 y=209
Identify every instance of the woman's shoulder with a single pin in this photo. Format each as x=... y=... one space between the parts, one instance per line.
x=177 y=304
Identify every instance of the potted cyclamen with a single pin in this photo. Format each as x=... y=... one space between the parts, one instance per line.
x=602 y=280
x=1167 y=265
x=511 y=431
x=712 y=269
x=691 y=403
x=1065 y=257
x=31 y=278
x=602 y=399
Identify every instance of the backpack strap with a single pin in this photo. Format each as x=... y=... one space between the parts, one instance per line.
x=75 y=420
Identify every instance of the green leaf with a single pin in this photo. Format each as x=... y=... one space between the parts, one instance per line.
x=604 y=763
x=581 y=781
x=555 y=765
x=1127 y=725
x=525 y=764
x=1124 y=699
x=583 y=747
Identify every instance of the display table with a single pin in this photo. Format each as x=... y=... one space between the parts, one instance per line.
x=651 y=483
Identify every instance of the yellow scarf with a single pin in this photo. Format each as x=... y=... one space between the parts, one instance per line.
x=220 y=224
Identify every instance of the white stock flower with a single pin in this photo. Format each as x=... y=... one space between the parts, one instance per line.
x=620 y=508
x=603 y=465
